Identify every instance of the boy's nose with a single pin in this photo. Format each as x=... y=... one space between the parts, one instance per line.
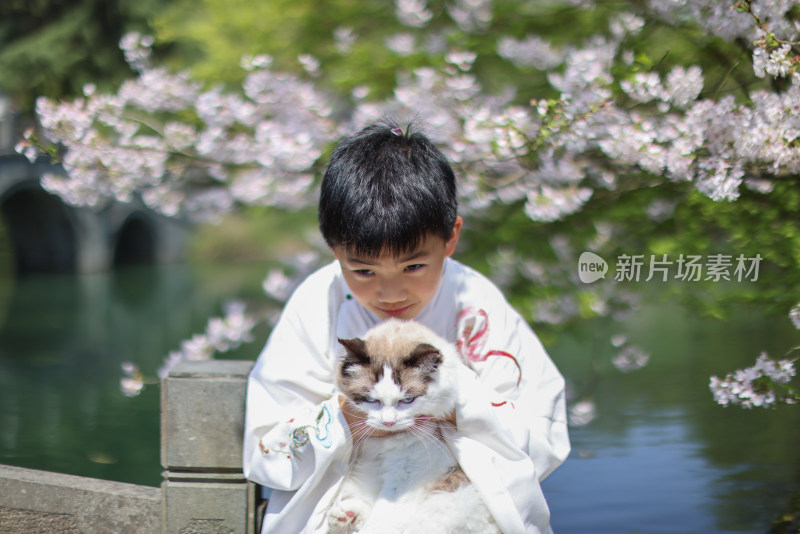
x=392 y=298
x=390 y=293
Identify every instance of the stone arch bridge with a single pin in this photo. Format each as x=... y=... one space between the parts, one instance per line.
x=47 y=235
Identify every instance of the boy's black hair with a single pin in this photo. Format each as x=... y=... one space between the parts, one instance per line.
x=386 y=190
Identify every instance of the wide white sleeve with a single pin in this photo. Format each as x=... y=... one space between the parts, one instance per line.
x=294 y=430
x=517 y=400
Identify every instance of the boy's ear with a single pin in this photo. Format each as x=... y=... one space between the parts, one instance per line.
x=450 y=244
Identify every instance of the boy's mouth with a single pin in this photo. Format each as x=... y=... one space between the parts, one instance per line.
x=396 y=312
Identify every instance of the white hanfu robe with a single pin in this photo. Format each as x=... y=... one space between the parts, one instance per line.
x=511 y=417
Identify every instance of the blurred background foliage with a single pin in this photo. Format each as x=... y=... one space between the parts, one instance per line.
x=211 y=36
x=54 y=47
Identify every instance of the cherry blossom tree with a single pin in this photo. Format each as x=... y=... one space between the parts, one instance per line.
x=606 y=120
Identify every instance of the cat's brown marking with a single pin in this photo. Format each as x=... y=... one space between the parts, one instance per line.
x=424 y=360
x=412 y=365
x=453 y=480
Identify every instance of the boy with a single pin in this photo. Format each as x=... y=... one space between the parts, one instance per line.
x=388 y=211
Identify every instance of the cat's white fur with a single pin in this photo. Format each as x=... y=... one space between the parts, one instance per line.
x=389 y=488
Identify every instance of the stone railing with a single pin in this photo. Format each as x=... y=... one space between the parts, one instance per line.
x=38 y=502
x=203 y=492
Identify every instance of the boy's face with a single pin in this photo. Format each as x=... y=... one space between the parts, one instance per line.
x=398 y=286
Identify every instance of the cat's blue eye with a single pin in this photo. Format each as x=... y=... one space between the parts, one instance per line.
x=407 y=400
x=370 y=399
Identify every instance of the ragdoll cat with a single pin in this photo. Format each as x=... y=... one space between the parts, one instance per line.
x=402 y=379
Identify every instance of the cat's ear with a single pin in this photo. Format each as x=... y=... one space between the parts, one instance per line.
x=424 y=357
x=356 y=354
x=356 y=347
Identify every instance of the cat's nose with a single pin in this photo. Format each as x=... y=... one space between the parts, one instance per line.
x=388 y=423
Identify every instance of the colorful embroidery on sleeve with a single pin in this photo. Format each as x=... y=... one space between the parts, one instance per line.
x=265 y=450
x=299 y=436
x=323 y=434
x=473 y=327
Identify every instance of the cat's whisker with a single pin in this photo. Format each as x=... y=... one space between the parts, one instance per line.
x=427 y=436
x=424 y=438
x=360 y=430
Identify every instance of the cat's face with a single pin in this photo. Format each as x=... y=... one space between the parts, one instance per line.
x=393 y=376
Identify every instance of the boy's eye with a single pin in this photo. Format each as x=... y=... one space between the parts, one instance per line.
x=415 y=267
x=365 y=273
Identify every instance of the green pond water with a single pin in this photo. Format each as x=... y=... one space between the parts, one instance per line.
x=660 y=455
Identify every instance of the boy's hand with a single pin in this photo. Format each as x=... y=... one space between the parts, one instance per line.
x=451 y=418
x=448 y=421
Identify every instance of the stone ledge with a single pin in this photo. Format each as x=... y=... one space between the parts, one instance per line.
x=192 y=505
x=33 y=501
x=211 y=369
x=202 y=415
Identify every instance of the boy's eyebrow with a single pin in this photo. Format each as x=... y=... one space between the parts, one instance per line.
x=367 y=261
x=353 y=259
x=417 y=254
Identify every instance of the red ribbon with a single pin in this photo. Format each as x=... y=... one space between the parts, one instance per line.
x=470 y=344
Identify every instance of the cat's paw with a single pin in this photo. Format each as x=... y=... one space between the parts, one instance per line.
x=347 y=515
